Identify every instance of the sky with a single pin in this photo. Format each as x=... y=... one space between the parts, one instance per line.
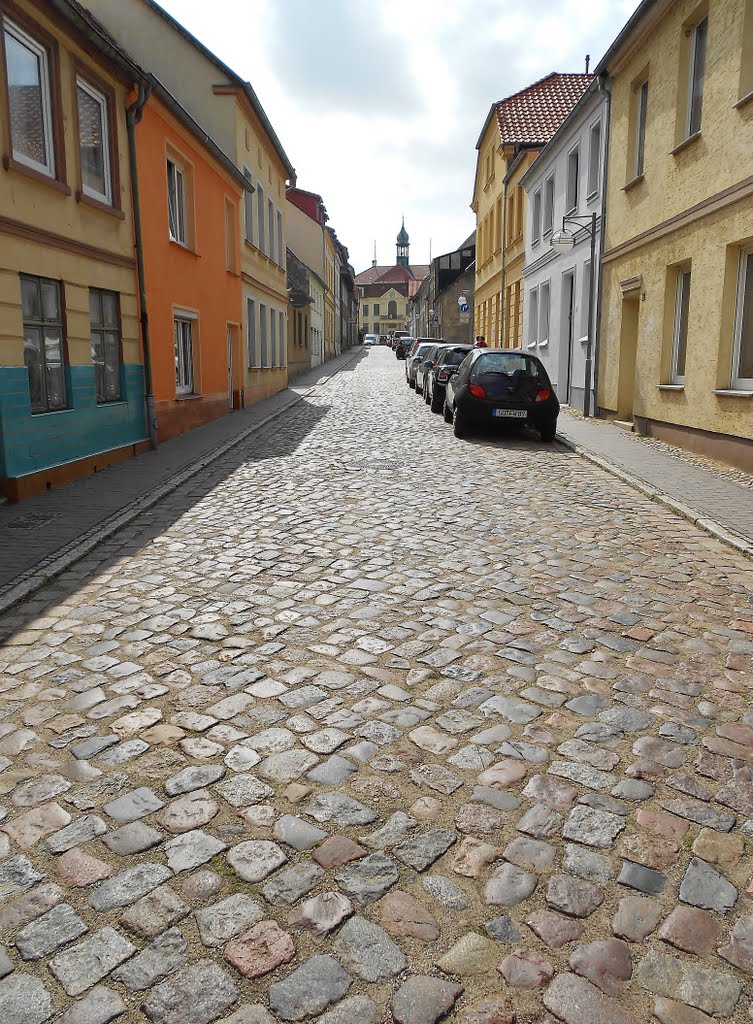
x=379 y=103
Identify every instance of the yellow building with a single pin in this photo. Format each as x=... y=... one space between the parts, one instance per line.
x=330 y=295
x=72 y=387
x=676 y=345
x=515 y=131
x=385 y=293
x=229 y=110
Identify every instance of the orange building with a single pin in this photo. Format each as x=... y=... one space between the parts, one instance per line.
x=190 y=198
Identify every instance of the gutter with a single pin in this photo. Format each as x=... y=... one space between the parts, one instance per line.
x=133 y=116
x=596 y=326
x=504 y=267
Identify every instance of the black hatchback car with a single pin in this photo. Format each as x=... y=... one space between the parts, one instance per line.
x=499 y=385
x=446 y=364
x=402 y=345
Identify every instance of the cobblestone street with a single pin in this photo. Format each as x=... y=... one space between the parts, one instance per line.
x=364 y=723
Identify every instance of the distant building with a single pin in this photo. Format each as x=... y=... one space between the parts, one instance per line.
x=383 y=293
x=436 y=310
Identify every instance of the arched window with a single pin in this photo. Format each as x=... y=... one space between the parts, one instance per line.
x=392 y=309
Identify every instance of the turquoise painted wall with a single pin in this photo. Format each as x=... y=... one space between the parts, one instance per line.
x=29 y=443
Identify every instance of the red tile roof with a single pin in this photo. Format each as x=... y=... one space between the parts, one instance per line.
x=394 y=273
x=535 y=113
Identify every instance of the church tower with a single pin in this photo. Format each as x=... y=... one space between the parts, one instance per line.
x=403 y=247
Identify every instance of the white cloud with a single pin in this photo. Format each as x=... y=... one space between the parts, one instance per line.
x=379 y=103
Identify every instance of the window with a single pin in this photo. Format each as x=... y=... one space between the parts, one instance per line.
x=392 y=309
x=697 y=75
x=260 y=216
x=253 y=359
x=376 y=309
x=27 y=67
x=183 y=356
x=280 y=246
x=366 y=309
x=231 y=237
x=573 y=170
x=248 y=207
x=274 y=358
x=271 y=213
x=264 y=355
x=43 y=342
x=536 y=217
x=498 y=235
x=585 y=301
x=176 y=202
x=544 y=314
x=641 y=108
x=680 y=327
x=283 y=346
x=548 y=204
x=94 y=142
x=742 y=349
x=594 y=159
x=533 y=318
x=104 y=325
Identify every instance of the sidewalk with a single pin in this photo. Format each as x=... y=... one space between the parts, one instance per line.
x=693 y=489
x=44 y=535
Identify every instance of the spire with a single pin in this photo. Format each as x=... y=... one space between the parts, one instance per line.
x=403 y=246
x=374 y=261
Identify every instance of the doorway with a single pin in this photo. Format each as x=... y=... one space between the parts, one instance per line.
x=628 y=355
x=567 y=333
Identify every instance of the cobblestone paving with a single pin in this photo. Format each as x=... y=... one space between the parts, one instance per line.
x=382 y=726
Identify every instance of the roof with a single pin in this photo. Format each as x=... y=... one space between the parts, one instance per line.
x=632 y=23
x=532 y=116
x=95 y=33
x=416 y=271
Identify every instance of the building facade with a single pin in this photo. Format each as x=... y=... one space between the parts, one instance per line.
x=566 y=181
x=515 y=131
x=442 y=306
x=384 y=293
x=306 y=218
x=72 y=389
x=676 y=356
x=299 y=317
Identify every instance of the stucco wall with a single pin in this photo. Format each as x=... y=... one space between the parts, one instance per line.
x=488 y=190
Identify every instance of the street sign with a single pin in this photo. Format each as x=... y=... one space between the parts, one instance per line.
x=464 y=307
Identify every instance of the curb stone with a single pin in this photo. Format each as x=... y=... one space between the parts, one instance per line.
x=53 y=565
x=710 y=526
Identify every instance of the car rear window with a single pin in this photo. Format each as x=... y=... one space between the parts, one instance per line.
x=507 y=363
x=454 y=357
x=422 y=350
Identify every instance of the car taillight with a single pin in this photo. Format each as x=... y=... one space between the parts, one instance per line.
x=441 y=375
x=543 y=395
x=477 y=391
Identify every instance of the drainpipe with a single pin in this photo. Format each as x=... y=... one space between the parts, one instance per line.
x=603 y=87
x=133 y=116
x=502 y=275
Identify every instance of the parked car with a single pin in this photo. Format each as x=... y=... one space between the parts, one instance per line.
x=424 y=367
x=402 y=346
x=371 y=339
x=497 y=385
x=414 y=357
x=383 y=339
x=397 y=335
x=446 y=364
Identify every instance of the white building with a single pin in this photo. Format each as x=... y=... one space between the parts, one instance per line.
x=566 y=180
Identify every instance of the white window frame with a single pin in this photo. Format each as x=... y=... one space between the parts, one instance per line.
x=683 y=276
x=545 y=290
x=253 y=356
x=689 y=129
x=283 y=339
x=176 y=185
x=42 y=54
x=536 y=218
x=101 y=100
x=263 y=337
x=548 y=214
x=744 y=279
x=248 y=208
x=271 y=227
x=641 y=118
x=260 y=215
x=572 y=185
x=594 y=160
x=533 y=317
x=280 y=246
x=585 y=300
x=184 y=377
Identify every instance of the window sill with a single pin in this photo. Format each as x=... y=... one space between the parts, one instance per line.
x=744 y=100
x=111 y=403
x=670 y=387
x=544 y=343
x=96 y=204
x=531 y=344
x=592 y=195
x=733 y=393
x=187 y=398
x=632 y=183
x=184 y=246
x=50 y=412
x=685 y=143
x=13 y=165
x=583 y=340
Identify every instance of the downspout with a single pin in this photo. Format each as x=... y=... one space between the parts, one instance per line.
x=603 y=87
x=133 y=116
x=502 y=275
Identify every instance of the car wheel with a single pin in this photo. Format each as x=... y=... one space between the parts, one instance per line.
x=548 y=432
x=426 y=394
x=435 y=404
x=459 y=427
x=447 y=413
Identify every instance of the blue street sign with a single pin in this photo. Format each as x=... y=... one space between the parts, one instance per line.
x=465 y=308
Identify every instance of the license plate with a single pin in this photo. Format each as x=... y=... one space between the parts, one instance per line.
x=513 y=414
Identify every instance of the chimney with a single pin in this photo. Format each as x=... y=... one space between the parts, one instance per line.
x=588 y=61
x=374 y=261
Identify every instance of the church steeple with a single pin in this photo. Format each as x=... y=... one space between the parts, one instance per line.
x=403 y=247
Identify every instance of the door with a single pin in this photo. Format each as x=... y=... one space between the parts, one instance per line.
x=628 y=353
x=230 y=365
x=568 y=331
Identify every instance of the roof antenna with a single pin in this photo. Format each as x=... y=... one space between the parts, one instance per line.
x=588 y=61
